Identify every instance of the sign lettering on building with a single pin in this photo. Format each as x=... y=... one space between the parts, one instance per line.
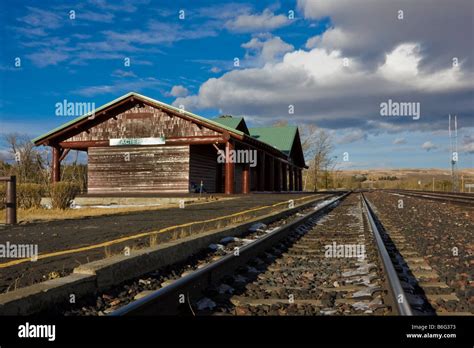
x=136 y=141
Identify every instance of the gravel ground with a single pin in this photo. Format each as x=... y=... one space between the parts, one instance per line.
x=123 y=294
x=441 y=236
x=296 y=277
x=73 y=233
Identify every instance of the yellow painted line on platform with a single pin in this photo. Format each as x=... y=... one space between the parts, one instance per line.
x=140 y=235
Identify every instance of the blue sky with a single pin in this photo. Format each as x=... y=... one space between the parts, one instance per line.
x=283 y=61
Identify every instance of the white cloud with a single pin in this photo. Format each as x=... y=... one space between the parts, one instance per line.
x=47 y=57
x=123 y=73
x=428 y=145
x=179 y=91
x=352 y=137
x=266 y=21
x=368 y=29
x=266 y=49
x=467 y=144
x=119 y=87
x=325 y=92
x=399 y=141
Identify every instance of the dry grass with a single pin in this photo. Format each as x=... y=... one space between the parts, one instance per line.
x=40 y=214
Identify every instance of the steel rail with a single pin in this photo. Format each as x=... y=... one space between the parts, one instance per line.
x=446 y=197
x=169 y=299
x=399 y=297
x=439 y=193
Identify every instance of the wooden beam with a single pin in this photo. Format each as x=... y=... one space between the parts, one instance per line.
x=64 y=154
x=198 y=140
x=229 y=169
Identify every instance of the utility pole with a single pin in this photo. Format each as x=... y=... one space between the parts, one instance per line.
x=453 y=137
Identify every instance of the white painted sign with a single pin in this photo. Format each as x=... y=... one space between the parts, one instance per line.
x=136 y=141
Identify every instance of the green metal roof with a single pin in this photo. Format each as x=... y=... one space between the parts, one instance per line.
x=281 y=138
x=232 y=122
x=153 y=101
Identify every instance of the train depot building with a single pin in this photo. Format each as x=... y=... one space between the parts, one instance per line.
x=136 y=144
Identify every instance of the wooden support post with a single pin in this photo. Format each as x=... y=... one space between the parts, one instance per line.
x=297 y=180
x=271 y=174
x=291 y=186
x=10 y=203
x=277 y=175
x=229 y=169
x=246 y=179
x=56 y=165
x=284 y=174
x=261 y=172
x=300 y=179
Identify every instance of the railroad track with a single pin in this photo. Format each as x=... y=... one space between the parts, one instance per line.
x=121 y=294
x=284 y=269
x=298 y=268
x=434 y=276
x=450 y=197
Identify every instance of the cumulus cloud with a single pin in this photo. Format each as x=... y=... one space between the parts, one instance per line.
x=428 y=145
x=324 y=91
x=266 y=21
x=261 y=50
x=367 y=29
x=179 y=91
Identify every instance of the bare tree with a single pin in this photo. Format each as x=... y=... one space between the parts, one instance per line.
x=30 y=164
x=317 y=147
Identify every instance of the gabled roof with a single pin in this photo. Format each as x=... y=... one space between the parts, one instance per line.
x=233 y=122
x=165 y=106
x=281 y=138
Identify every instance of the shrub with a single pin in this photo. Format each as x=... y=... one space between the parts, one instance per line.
x=62 y=194
x=29 y=195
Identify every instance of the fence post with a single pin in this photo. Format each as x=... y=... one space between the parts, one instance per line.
x=11 y=200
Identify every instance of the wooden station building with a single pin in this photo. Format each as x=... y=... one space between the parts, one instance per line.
x=136 y=144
